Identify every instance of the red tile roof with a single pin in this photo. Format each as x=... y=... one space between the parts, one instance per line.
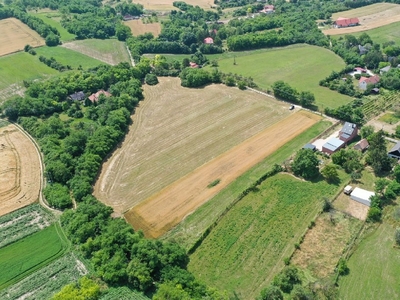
x=193 y=65
x=344 y=22
x=208 y=40
x=95 y=97
x=371 y=80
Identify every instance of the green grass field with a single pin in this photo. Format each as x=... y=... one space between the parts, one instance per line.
x=194 y=225
x=29 y=254
x=247 y=247
x=48 y=19
x=110 y=51
x=302 y=66
x=389 y=118
x=382 y=34
x=374 y=268
x=68 y=57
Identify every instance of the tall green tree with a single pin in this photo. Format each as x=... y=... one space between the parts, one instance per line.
x=377 y=156
x=305 y=164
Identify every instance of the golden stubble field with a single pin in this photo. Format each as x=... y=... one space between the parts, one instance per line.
x=138 y=27
x=19 y=170
x=14 y=35
x=371 y=16
x=166 y=5
x=178 y=130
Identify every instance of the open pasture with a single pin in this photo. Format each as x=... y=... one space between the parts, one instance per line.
x=176 y=130
x=323 y=244
x=370 y=17
x=302 y=66
x=69 y=57
x=109 y=51
x=14 y=35
x=246 y=249
x=52 y=18
x=166 y=5
x=23 y=257
x=19 y=170
x=374 y=268
x=138 y=27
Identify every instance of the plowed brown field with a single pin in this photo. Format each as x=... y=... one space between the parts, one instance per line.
x=14 y=35
x=161 y=212
x=19 y=170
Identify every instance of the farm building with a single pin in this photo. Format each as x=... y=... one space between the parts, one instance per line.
x=78 y=96
x=395 y=151
x=362 y=145
x=348 y=132
x=310 y=146
x=364 y=81
x=208 y=40
x=362 y=196
x=346 y=22
x=268 y=9
x=332 y=145
x=95 y=97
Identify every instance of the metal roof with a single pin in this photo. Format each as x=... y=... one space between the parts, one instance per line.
x=333 y=144
x=348 y=128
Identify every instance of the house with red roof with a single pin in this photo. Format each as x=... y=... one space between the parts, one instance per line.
x=193 y=65
x=346 y=22
x=364 y=81
x=208 y=40
x=95 y=97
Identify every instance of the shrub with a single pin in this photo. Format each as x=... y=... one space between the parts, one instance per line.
x=286 y=261
x=242 y=85
x=374 y=214
x=342 y=267
x=397 y=236
x=151 y=79
x=214 y=183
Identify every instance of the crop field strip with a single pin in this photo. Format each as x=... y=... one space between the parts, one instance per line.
x=47 y=281
x=166 y=5
x=20 y=174
x=22 y=222
x=138 y=27
x=371 y=16
x=166 y=209
x=176 y=130
x=247 y=247
x=14 y=35
x=29 y=254
x=384 y=102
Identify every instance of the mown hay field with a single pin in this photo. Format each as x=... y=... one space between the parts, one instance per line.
x=370 y=17
x=374 y=268
x=20 y=170
x=23 y=257
x=176 y=130
x=14 y=35
x=190 y=230
x=166 y=5
x=108 y=51
x=138 y=27
x=302 y=66
x=52 y=18
x=69 y=57
x=247 y=247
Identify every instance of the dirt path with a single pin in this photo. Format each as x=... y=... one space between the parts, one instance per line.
x=161 y=212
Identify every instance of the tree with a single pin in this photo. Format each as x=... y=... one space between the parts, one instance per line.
x=85 y=289
x=288 y=277
x=377 y=156
x=374 y=214
x=305 y=164
x=355 y=176
x=271 y=293
x=342 y=267
x=306 y=99
x=151 y=79
x=366 y=131
x=57 y=195
x=301 y=293
x=122 y=32
x=397 y=236
x=330 y=173
x=380 y=185
x=52 y=40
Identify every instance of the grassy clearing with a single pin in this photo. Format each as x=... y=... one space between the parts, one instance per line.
x=380 y=35
x=30 y=254
x=375 y=265
x=324 y=243
x=123 y=293
x=17 y=67
x=69 y=57
x=364 y=11
x=47 y=281
x=302 y=66
x=49 y=19
x=110 y=51
x=194 y=225
x=247 y=247
x=389 y=118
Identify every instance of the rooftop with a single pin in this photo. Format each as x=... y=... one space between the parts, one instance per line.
x=333 y=144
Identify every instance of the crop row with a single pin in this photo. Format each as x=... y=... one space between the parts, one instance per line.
x=21 y=223
x=47 y=281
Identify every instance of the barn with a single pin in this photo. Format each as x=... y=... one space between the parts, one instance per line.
x=332 y=145
x=362 y=196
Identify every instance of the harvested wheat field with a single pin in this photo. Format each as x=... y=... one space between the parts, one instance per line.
x=138 y=27
x=164 y=210
x=166 y=5
x=324 y=244
x=14 y=35
x=176 y=130
x=19 y=170
x=371 y=16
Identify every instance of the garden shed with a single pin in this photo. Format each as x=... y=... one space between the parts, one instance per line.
x=362 y=196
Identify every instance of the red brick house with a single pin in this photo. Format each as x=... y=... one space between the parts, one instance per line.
x=346 y=22
x=348 y=132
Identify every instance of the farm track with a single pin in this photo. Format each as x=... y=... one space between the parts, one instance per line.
x=161 y=212
x=176 y=132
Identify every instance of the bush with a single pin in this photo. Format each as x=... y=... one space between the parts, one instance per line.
x=357 y=76
x=374 y=214
x=342 y=267
x=151 y=79
x=242 y=85
x=397 y=236
x=57 y=196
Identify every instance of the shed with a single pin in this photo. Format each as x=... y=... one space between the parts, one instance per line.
x=362 y=145
x=78 y=96
x=362 y=196
x=332 y=145
x=310 y=146
x=395 y=151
